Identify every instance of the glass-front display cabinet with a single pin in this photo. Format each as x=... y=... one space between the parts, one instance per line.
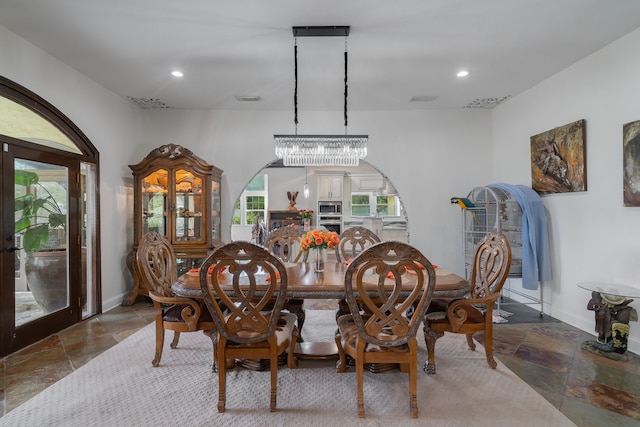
x=176 y=194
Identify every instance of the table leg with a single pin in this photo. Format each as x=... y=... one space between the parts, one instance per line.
x=612 y=316
x=295 y=306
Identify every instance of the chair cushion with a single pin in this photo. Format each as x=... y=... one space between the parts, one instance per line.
x=285 y=327
x=283 y=332
x=437 y=309
x=437 y=312
x=174 y=314
x=349 y=333
x=438 y=305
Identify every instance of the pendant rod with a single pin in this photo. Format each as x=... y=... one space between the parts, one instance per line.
x=345 y=86
x=295 y=92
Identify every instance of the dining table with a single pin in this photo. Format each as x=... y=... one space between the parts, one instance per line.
x=303 y=282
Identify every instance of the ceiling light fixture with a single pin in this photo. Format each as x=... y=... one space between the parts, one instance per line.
x=176 y=73
x=462 y=73
x=320 y=150
x=305 y=190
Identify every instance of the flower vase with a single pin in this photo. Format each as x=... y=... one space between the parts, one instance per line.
x=307 y=224
x=319 y=261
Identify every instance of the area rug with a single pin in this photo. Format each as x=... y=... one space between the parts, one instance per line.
x=120 y=387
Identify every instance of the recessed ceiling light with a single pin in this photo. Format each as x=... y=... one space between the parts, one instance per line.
x=176 y=73
x=463 y=73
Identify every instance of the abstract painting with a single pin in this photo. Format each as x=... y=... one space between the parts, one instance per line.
x=631 y=163
x=558 y=159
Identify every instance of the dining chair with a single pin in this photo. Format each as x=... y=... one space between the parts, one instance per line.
x=382 y=332
x=491 y=263
x=156 y=264
x=244 y=288
x=285 y=243
x=353 y=241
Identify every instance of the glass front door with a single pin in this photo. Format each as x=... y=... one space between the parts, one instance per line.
x=42 y=256
x=40 y=259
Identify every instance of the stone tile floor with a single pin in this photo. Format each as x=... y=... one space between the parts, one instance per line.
x=589 y=389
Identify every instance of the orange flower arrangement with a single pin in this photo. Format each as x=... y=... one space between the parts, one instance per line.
x=319 y=239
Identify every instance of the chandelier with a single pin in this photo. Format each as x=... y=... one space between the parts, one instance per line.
x=320 y=150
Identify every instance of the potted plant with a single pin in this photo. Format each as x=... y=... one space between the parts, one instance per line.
x=38 y=215
x=42 y=224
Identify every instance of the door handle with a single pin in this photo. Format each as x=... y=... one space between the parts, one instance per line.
x=11 y=248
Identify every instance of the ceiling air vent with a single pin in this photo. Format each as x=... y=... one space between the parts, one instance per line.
x=486 y=102
x=148 y=103
x=248 y=98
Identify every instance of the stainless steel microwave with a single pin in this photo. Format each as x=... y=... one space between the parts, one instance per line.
x=329 y=208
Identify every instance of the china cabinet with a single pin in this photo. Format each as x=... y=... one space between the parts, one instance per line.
x=177 y=194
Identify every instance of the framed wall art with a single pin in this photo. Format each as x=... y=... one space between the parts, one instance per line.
x=558 y=159
x=631 y=163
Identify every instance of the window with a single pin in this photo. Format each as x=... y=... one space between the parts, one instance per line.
x=365 y=204
x=254 y=209
x=360 y=204
x=28 y=125
x=252 y=204
x=386 y=206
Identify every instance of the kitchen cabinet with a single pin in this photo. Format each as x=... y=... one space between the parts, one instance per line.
x=176 y=194
x=367 y=182
x=330 y=187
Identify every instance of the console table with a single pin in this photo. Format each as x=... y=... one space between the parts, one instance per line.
x=610 y=304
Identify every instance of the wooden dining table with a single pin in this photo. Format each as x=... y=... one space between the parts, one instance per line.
x=303 y=282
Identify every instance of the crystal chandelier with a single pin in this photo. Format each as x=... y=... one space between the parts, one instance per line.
x=320 y=150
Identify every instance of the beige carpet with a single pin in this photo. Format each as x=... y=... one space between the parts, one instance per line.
x=120 y=388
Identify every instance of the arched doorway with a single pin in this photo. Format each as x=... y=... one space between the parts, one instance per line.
x=49 y=225
x=268 y=188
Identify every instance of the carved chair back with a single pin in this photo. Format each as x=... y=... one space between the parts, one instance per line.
x=156 y=262
x=353 y=241
x=373 y=282
x=491 y=264
x=285 y=243
x=244 y=288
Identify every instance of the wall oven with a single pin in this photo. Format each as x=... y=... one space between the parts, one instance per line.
x=330 y=216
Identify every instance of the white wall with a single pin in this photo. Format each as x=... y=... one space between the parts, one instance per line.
x=593 y=237
x=429 y=156
x=111 y=125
